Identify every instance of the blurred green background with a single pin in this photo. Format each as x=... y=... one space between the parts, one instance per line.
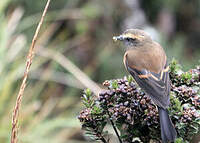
x=81 y=31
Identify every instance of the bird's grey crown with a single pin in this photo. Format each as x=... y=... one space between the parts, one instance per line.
x=137 y=32
x=136 y=43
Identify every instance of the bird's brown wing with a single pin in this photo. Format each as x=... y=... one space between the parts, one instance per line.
x=157 y=86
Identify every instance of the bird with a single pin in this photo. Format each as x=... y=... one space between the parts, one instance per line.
x=146 y=61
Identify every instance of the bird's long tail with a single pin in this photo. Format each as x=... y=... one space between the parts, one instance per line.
x=168 y=132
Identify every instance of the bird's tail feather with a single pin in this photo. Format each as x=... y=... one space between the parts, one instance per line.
x=168 y=132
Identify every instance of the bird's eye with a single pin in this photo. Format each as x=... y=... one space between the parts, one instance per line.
x=130 y=39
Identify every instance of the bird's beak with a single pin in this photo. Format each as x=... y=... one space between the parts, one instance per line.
x=118 y=38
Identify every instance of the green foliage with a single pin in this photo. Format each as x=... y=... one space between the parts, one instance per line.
x=174 y=66
x=186 y=76
x=87 y=98
x=180 y=140
x=114 y=84
x=93 y=118
x=130 y=79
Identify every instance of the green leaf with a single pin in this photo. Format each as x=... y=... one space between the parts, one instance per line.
x=114 y=84
x=130 y=79
x=88 y=92
x=186 y=76
x=174 y=66
x=179 y=140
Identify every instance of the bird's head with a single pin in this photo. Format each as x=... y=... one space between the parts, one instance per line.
x=133 y=38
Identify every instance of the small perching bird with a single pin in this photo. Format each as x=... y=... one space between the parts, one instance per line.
x=146 y=61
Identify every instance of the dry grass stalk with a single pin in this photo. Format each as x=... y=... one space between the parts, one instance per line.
x=72 y=68
x=29 y=60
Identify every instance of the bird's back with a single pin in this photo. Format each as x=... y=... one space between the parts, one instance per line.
x=150 y=59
